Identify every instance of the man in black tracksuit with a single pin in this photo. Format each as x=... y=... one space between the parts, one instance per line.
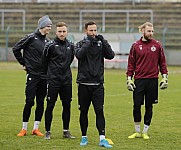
x=57 y=58
x=90 y=53
x=32 y=46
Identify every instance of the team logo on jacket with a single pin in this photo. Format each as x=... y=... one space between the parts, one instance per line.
x=153 y=48
x=141 y=47
x=99 y=43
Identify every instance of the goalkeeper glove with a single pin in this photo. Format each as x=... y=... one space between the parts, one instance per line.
x=130 y=84
x=164 y=82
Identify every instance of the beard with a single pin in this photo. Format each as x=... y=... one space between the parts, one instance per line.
x=147 y=37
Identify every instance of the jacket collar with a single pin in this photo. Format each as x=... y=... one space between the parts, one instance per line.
x=37 y=32
x=60 y=41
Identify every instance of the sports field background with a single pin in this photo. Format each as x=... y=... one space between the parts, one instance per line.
x=165 y=130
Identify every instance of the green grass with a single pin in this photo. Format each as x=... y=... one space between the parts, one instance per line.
x=165 y=133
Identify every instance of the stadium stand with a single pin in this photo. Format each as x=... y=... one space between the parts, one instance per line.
x=166 y=16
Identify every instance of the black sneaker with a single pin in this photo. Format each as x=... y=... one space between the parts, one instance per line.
x=66 y=134
x=47 y=135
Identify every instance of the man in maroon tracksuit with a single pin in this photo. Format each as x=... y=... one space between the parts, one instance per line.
x=146 y=59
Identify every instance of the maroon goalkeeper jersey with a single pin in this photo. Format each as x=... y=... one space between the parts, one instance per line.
x=145 y=60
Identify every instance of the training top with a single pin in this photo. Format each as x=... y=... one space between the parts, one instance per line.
x=56 y=59
x=90 y=55
x=145 y=59
x=28 y=52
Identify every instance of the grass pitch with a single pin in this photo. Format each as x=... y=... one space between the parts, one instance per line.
x=165 y=129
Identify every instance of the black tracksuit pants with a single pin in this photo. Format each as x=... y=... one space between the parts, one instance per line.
x=86 y=95
x=65 y=93
x=35 y=87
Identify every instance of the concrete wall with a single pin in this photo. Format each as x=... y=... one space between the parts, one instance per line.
x=120 y=43
x=173 y=57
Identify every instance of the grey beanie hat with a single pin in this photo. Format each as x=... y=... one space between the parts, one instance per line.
x=44 y=21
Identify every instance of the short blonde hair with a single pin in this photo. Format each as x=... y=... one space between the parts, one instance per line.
x=61 y=24
x=144 y=25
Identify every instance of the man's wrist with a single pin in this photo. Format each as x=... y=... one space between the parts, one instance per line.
x=129 y=77
x=165 y=76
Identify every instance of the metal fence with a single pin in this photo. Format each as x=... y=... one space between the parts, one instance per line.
x=3 y=11
x=104 y=12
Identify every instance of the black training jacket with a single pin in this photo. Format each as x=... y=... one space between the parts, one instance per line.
x=28 y=52
x=56 y=59
x=90 y=57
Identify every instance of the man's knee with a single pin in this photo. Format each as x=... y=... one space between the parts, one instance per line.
x=50 y=105
x=30 y=102
x=149 y=108
x=136 y=108
x=40 y=103
x=66 y=104
x=99 y=112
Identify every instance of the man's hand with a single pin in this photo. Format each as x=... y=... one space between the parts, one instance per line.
x=100 y=37
x=86 y=43
x=164 y=82
x=130 y=84
x=24 y=68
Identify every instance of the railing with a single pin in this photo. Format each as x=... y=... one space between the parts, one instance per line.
x=13 y=10
x=113 y=11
